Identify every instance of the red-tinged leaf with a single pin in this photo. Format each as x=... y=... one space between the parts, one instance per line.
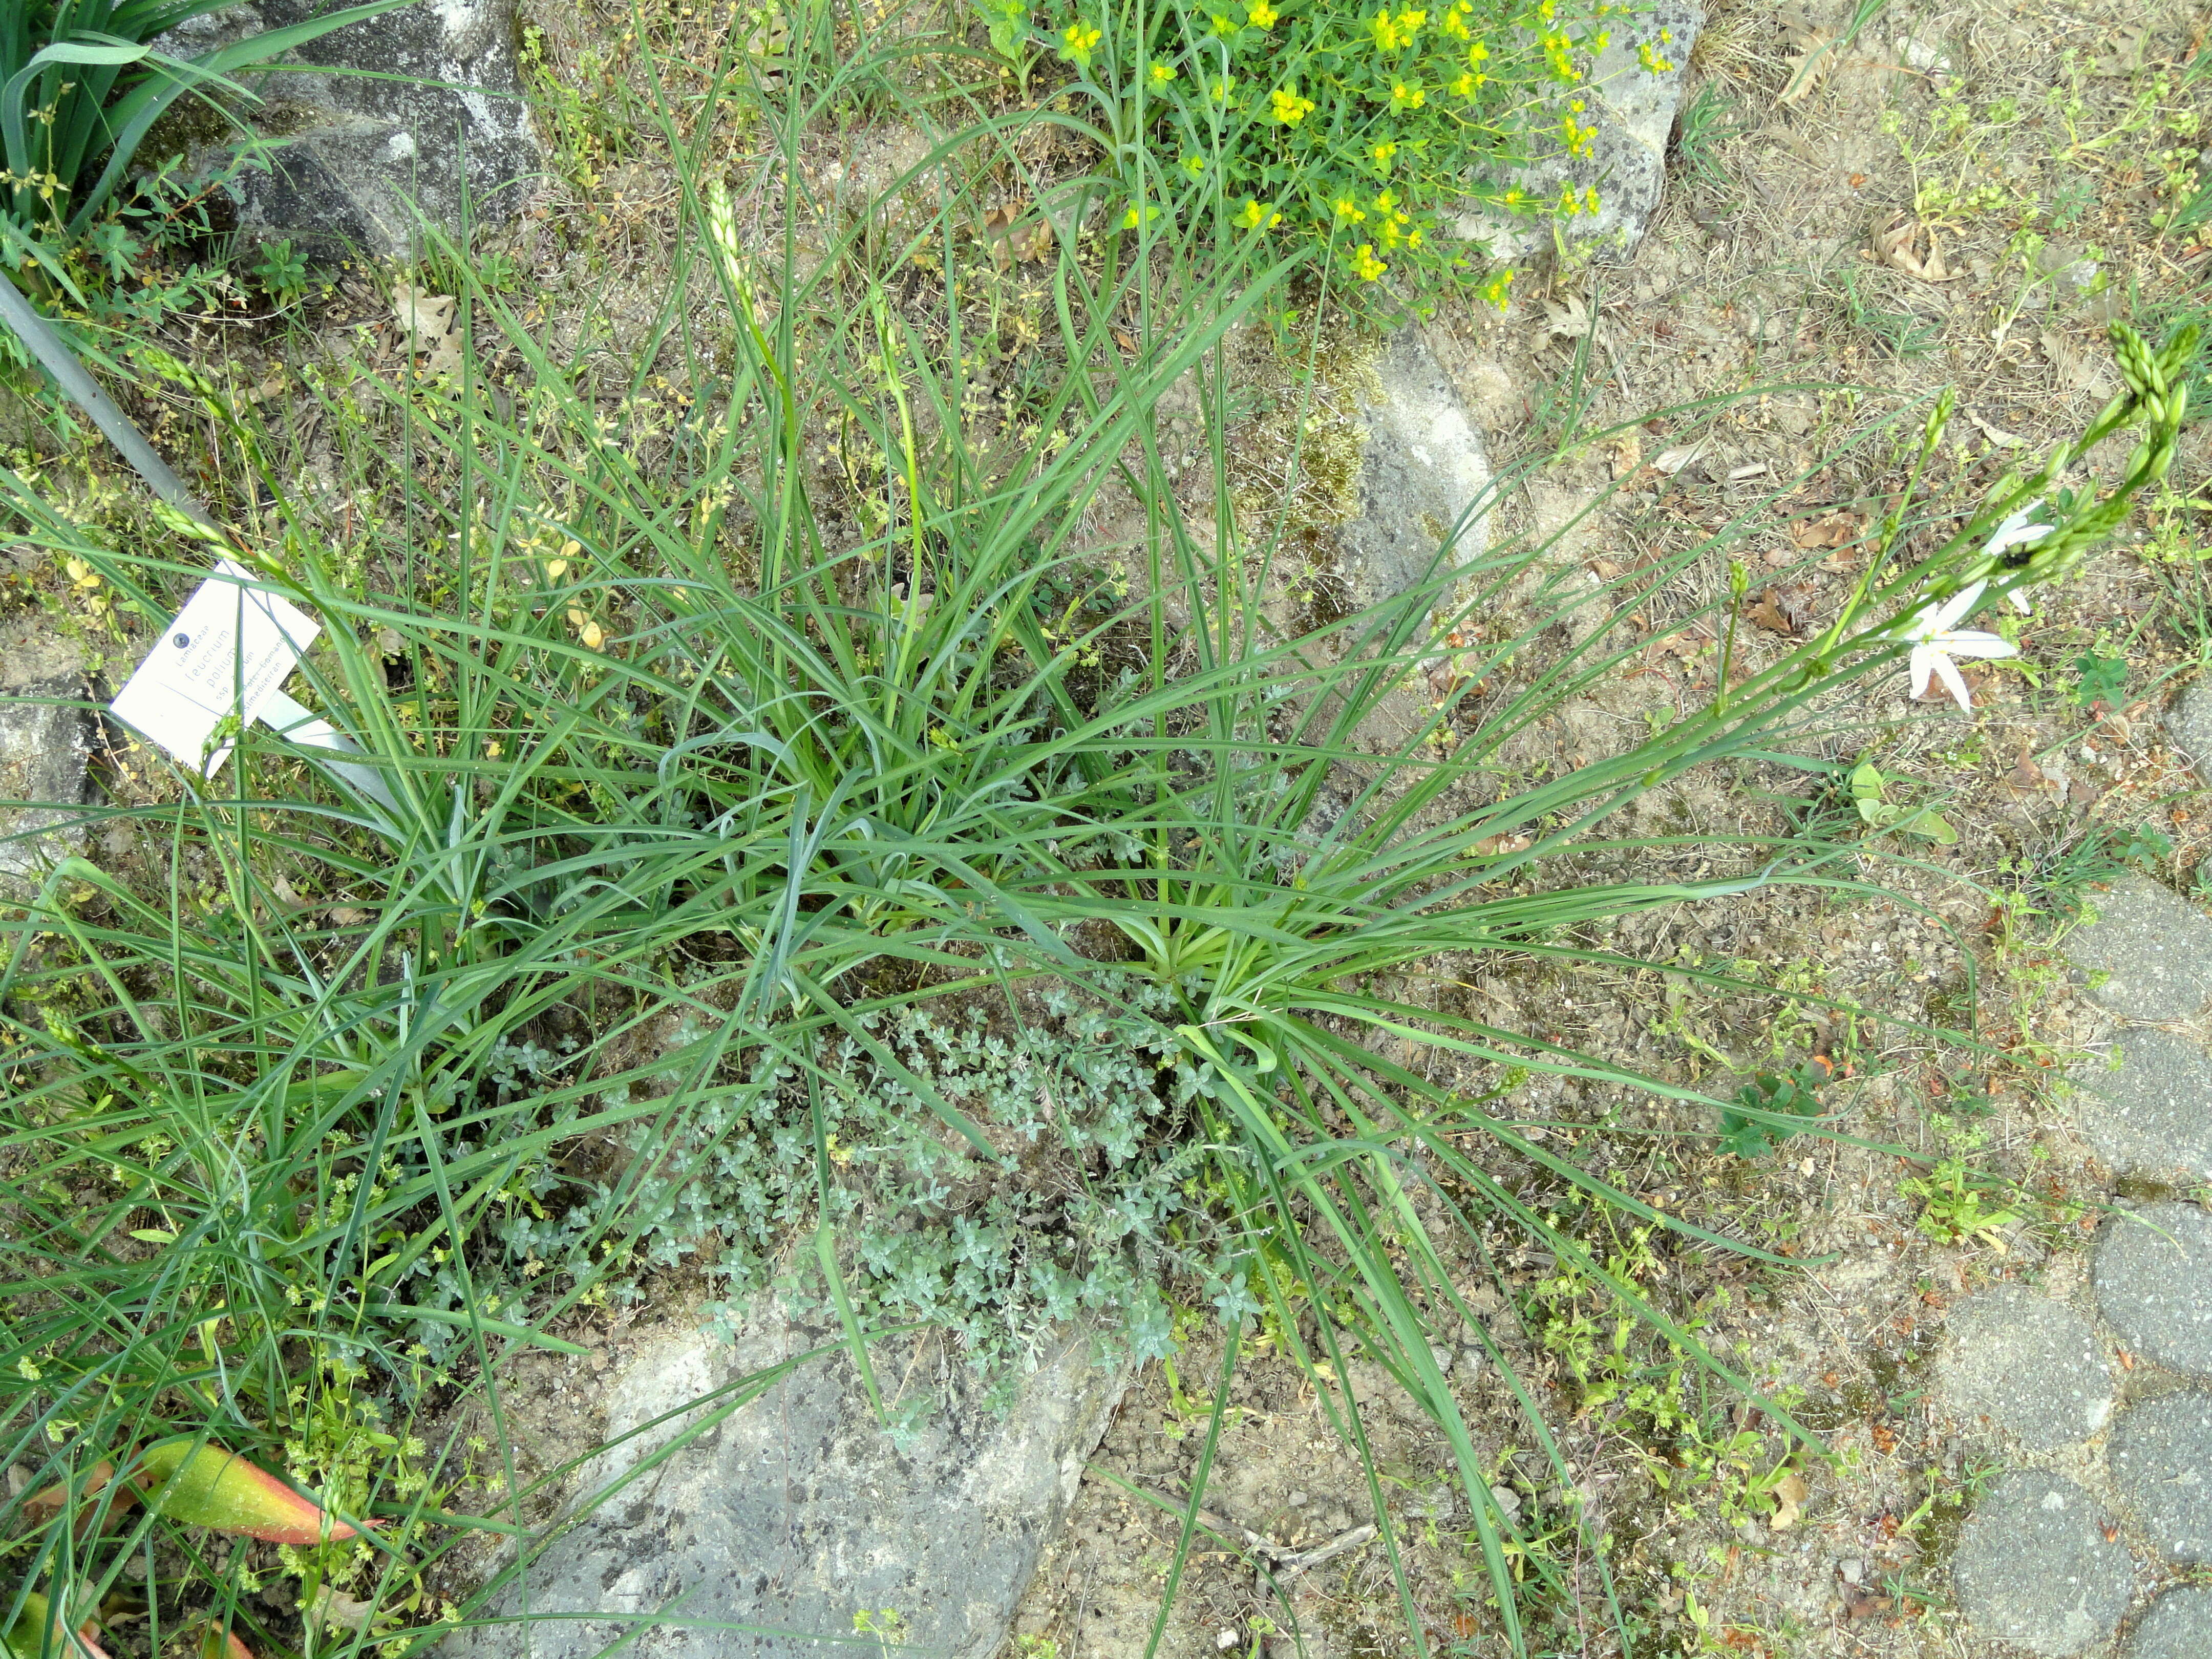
x=41 y=1504
x=204 y=1485
x=35 y=1632
x=223 y=1644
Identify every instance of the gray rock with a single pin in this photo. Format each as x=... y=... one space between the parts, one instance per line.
x=1634 y=111
x=1424 y=474
x=2178 y=1626
x=2154 y=1276
x=2154 y=947
x=358 y=155
x=2153 y=1115
x=2035 y=1569
x=795 y=1511
x=2162 y=1457
x=2189 y=724
x=2026 y=1366
x=45 y=746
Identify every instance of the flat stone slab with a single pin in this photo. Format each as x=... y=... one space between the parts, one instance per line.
x=778 y=1525
x=2162 y=1468
x=2154 y=945
x=1634 y=109
x=2026 y=1366
x=2189 y=723
x=2035 y=1569
x=2154 y=1278
x=45 y=748
x=1424 y=480
x=2153 y=1115
x=2178 y=1626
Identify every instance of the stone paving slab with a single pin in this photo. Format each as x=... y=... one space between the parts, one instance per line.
x=2035 y=1568
x=2026 y=1366
x=2153 y=1280
x=2154 y=947
x=2161 y=1461
x=2178 y=1626
x=2153 y=1115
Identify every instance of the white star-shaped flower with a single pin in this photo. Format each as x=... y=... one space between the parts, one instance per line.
x=1937 y=638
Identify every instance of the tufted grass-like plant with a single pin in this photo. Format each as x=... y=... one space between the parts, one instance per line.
x=732 y=738
x=81 y=84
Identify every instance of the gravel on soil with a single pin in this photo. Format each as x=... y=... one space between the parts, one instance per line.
x=2036 y=1568
x=2154 y=1276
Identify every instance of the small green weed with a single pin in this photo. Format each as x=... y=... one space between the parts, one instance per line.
x=1772 y=1108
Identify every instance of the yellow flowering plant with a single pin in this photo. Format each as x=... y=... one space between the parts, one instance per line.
x=1355 y=132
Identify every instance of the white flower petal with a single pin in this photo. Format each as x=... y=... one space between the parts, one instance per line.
x=1924 y=659
x=1973 y=642
x=2017 y=599
x=1957 y=606
x=2017 y=529
x=1954 y=682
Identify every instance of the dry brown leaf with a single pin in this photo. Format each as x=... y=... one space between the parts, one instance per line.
x=1837 y=529
x=427 y=322
x=348 y=916
x=1628 y=455
x=1995 y=435
x=2126 y=55
x=1809 y=65
x=1671 y=461
x=1768 y=614
x=1898 y=246
x=1490 y=845
x=1860 y=1602
x=1790 y=1493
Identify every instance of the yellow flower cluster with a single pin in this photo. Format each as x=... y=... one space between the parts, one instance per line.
x=1257 y=213
x=1077 y=40
x=1648 y=52
x=1405 y=97
x=1396 y=33
x=1365 y=265
x=1261 y=16
x=1286 y=106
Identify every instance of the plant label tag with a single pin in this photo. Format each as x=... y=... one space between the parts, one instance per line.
x=228 y=653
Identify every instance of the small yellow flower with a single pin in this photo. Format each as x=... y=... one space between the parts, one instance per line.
x=1382 y=152
x=1406 y=97
x=1288 y=107
x=1222 y=25
x=1494 y=290
x=1261 y=16
x=1257 y=213
x=1464 y=87
x=1653 y=62
x=1455 y=25
x=1347 y=209
x=1163 y=73
x=1365 y=266
x=1589 y=198
x=1478 y=54
x=1077 y=40
x=1194 y=165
